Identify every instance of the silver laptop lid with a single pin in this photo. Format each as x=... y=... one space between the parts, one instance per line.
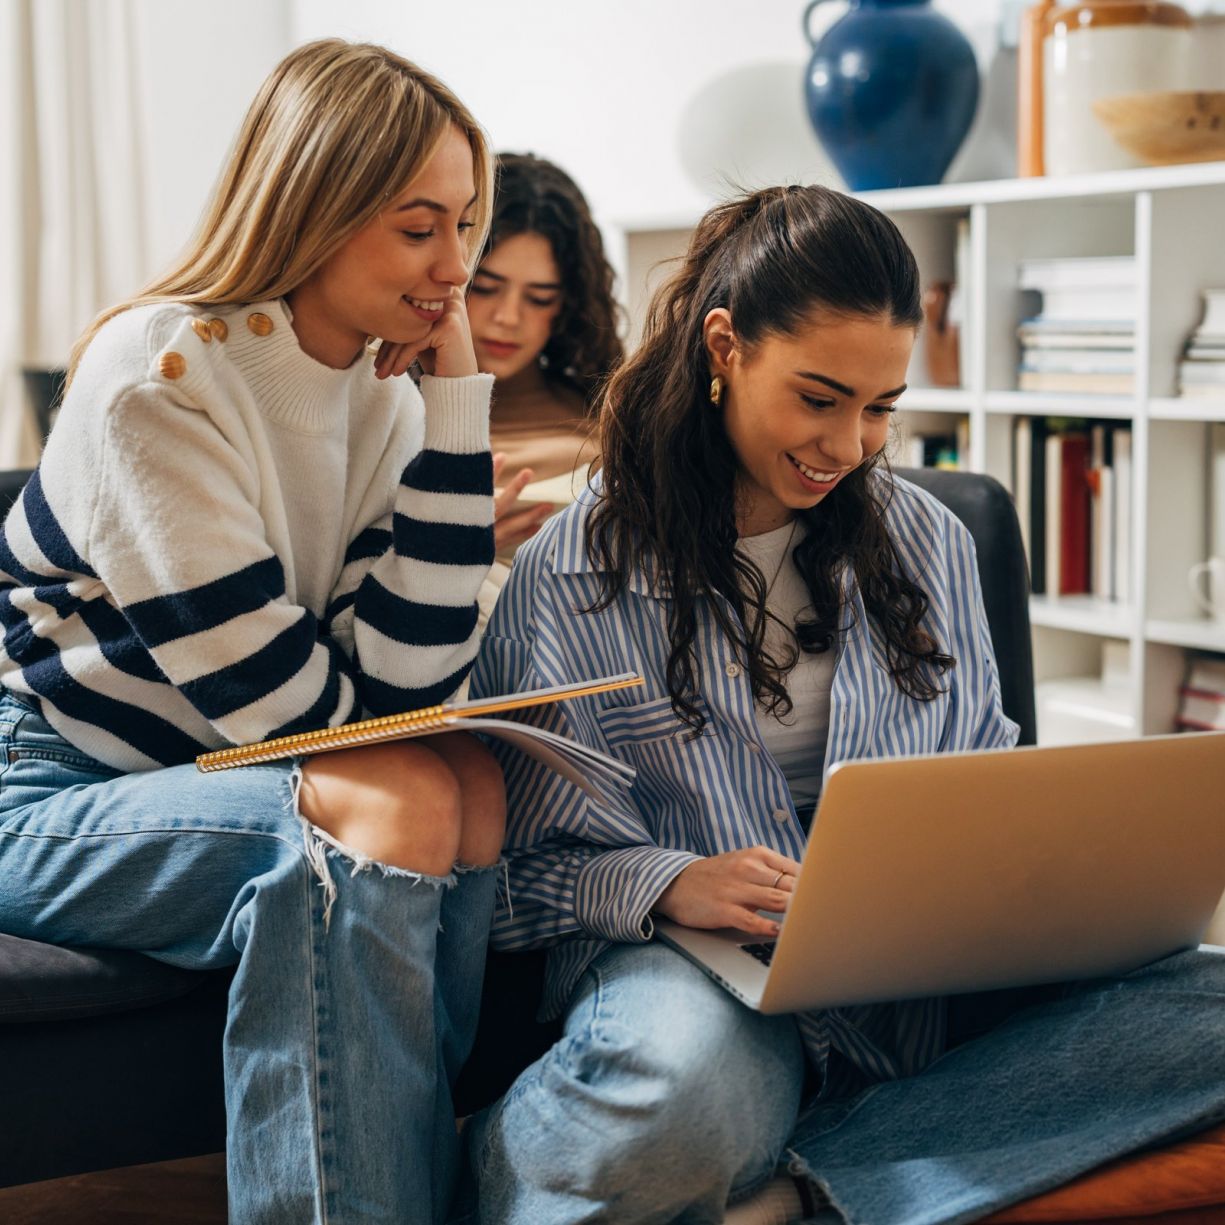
x=970 y=871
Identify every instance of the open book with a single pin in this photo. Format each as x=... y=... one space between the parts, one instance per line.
x=559 y=490
x=588 y=768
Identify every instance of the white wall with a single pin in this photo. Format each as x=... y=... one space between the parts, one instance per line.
x=648 y=103
x=655 y=106
x=201 y=65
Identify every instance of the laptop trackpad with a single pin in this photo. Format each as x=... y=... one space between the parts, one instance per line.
x=734 y=959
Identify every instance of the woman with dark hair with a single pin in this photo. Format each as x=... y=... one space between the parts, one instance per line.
x=790 y=604
x=544 y=323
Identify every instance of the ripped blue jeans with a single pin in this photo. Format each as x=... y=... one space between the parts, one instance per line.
x=345 y=1029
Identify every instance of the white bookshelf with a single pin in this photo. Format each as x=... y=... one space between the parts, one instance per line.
x=1171 y=219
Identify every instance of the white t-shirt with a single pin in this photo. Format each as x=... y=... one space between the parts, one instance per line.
x=796 y=740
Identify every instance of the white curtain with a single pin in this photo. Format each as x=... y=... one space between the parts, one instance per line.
x=74 y=196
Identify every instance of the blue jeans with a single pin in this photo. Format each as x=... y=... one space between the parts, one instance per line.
x=357 y=986
x=666 y=1098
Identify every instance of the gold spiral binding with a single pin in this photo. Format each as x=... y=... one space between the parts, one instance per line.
x=386 y=727
x=367 y=731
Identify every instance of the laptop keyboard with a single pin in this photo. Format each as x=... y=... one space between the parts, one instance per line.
x=761 y=952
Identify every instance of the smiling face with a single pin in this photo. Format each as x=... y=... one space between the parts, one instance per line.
x=515 y=297
x=803 y=411
x=391 y=278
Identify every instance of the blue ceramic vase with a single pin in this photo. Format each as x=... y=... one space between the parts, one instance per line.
x=891 y=92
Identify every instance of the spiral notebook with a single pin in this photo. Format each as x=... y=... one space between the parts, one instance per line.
x=596 y=773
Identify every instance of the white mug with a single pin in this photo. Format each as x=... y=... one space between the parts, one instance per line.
x=1212 y=601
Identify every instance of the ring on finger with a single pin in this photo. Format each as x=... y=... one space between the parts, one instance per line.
x=774 y=882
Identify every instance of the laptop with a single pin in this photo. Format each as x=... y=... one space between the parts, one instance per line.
x=960 y=872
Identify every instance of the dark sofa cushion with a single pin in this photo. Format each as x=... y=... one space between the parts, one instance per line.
x=44 y=982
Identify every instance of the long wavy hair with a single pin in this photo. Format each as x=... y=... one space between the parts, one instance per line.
x=771 y=259
x=534 y=196
x=336 y=132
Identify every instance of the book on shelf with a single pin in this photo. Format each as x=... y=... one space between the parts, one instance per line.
x=1201 y=705
x=1078 y=328
x=1076 y=382
x=1029 y=494
x=1092 y=290
x=1072 y=488
x=1197 y=713
x=1120 y=458
x=1037 y=335
x=1202 y=373
x=1067 y=514
x=1206 y=675
x=1087 y=309
x=1079 y=361
x=596 y=773
x=1101 y=513
x=942 y=449
x=962 y=259
x=1216 y=489
x=1078 y=272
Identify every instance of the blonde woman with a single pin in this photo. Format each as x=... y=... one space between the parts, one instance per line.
x=246 y=524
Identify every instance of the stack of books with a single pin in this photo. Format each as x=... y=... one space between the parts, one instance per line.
x=1072 y=482
x=1078 y=329
x=1202 y=369
x=1202 y=704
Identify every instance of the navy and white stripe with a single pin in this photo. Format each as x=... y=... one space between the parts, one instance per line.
x=150 y=574
x=583 y=873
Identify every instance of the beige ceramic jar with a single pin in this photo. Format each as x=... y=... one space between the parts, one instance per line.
x=1100 y=48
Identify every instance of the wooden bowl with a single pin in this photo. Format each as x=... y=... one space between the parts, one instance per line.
x=1164 y=128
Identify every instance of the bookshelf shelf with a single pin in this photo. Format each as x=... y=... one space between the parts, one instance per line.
x=937 y=399
x=1178 y=408
x=1039 y=404
x=1198 y=635
x=1082 y=614
x=1167 y=219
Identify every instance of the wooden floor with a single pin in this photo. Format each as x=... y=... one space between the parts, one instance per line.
x=171 y=1193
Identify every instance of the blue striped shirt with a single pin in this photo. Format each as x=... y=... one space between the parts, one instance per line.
x=584 y=873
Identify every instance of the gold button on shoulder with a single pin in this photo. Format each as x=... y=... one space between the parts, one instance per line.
x=201 y=329
x=219 y=329
x=173 y=365
x=259 y=323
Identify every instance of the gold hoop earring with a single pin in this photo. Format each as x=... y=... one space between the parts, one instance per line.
x=716 y=391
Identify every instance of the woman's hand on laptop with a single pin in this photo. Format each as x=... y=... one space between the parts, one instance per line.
x=728 y=890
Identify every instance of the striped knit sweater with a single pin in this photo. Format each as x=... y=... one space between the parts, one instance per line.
x=227 y=541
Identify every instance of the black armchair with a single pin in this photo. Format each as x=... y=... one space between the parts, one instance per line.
x=109 y=1058
x=113 y=1059
x=986 y=508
